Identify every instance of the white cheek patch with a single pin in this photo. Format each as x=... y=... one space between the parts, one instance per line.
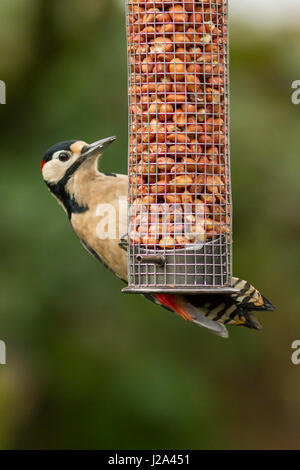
x=54 y=170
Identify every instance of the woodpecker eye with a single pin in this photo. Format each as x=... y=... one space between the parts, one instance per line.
x=64 y=156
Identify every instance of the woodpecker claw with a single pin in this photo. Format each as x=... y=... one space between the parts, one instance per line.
x=124 y=242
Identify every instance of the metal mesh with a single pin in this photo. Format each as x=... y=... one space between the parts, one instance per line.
x=179 y=163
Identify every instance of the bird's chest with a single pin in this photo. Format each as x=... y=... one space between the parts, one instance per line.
x=100 y=229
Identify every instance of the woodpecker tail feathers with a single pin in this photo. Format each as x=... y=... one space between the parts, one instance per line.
x=213 y=312
x=250 y=298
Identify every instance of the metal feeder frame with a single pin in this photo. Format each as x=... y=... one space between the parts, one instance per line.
x=200 y=266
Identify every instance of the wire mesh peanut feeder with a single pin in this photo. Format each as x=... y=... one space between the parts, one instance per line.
x=180 y=209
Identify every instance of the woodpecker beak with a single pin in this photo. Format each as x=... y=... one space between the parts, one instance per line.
x=97 y=147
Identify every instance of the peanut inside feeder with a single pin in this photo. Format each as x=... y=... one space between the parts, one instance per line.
x=179 y=168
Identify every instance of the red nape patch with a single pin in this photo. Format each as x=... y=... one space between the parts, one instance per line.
x=42 y=164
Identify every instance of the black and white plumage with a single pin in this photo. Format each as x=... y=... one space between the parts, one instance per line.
x=70 y=170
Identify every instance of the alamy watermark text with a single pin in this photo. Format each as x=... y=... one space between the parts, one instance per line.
x=296 y=354
x=2 y=352
x=2 y=92
x=296 y=94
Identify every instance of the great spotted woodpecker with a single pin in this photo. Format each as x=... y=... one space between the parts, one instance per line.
x=70 y=170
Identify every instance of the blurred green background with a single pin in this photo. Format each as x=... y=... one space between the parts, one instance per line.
x=87 y=366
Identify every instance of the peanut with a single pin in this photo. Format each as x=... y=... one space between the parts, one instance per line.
x=177 y=69
x=161 y=45
x=178 y=14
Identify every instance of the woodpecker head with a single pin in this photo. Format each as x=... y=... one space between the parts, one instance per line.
x=63 y=161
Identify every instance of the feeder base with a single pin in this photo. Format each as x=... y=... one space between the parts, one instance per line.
x=198 y=268
x=180 y=290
